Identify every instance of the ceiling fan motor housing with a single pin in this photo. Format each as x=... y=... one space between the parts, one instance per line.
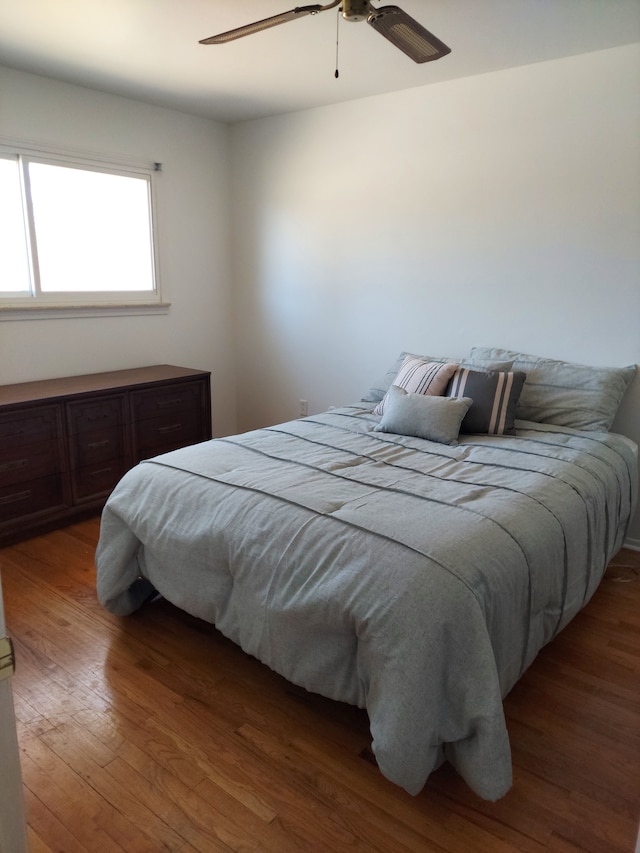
x=355 y=10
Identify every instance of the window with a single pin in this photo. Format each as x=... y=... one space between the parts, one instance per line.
x=74 y=234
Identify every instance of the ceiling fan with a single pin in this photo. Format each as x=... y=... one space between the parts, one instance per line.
x=390 y=21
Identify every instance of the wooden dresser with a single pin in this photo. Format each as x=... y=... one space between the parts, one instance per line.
x=65 y=443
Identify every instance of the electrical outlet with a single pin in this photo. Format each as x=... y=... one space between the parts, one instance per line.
x=304 y=408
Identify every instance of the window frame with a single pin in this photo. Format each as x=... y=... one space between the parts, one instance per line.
x=35 y=303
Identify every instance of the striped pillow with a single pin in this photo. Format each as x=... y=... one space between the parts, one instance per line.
x=418 y=376
x=495 y=395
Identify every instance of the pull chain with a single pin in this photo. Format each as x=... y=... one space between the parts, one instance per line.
x=337 y=74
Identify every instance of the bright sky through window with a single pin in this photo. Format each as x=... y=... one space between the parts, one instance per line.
x=92 y=230
x=76 y=234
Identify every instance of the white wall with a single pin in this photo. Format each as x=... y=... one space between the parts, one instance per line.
x=192 y=203
x=499 y=210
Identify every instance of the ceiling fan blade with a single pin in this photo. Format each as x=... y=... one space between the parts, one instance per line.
x=407 y=34
x=273 y=21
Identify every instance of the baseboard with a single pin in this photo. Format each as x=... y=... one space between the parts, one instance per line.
x=632 y=544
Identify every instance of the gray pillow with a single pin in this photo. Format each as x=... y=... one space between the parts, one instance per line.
x=564 y=393
x=422 y=416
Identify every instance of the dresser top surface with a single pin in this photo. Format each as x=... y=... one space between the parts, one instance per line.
x=49 y=389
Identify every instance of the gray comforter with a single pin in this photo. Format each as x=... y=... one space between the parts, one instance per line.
x=414 y=579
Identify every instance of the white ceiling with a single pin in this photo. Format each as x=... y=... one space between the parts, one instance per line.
x=148 y=49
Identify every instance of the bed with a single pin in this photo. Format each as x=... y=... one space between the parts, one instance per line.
x=407 y=556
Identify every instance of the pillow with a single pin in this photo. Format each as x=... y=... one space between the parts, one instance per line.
x=417 y=376
x=486 y=363
x=380 y=388
x=495 y=395
x=423 y=416
x=564 y=393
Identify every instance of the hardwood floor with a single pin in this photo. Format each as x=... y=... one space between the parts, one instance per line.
x=154 y=733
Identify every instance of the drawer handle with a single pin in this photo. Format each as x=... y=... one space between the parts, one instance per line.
x=14 y=465
x=171 y=428
x=169 y=404
x=93 y=445
x=18 y=496
x=100 y=471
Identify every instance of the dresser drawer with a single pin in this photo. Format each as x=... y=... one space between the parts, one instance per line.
x=94 y=481
x=25 y=427
x=93 y=415
x=45 y=493
x=159 y=435
x=163 y=402
x=99 y=445
x=27 y=462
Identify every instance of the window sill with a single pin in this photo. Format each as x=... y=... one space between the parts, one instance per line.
x=59 y=312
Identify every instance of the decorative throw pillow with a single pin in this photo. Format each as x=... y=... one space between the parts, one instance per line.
x=417 y=376
x=564 y=393
x=423 y=416
x=380 y=388
x=495 y=395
